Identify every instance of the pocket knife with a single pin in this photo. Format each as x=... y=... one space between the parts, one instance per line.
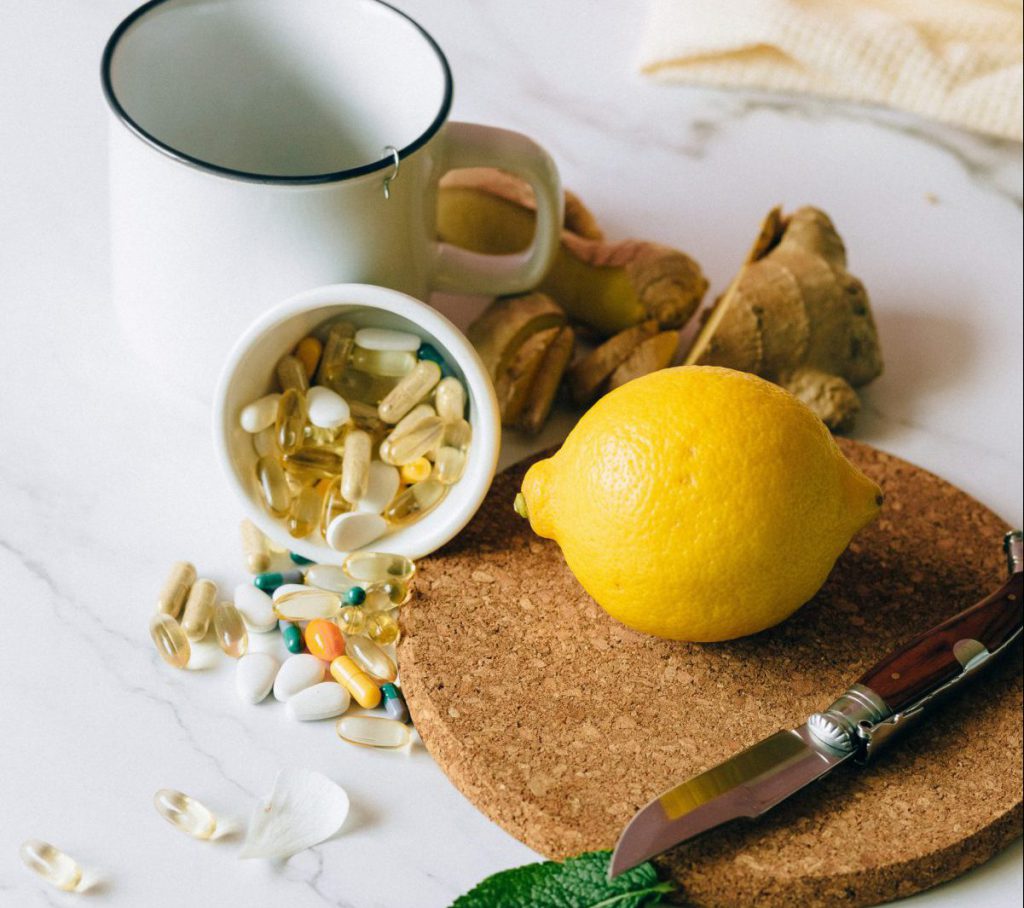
x=886 y=700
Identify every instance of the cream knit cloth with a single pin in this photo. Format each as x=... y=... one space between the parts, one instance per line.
x=953 y=60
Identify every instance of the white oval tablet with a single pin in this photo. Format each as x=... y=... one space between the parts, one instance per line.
x=256 y=607
x=351 y=531
x=327 y=408
x=260 y=414
x=381 y=487
x=254 y=676
x=386 y=339
x=321 y=701
x=297 y=673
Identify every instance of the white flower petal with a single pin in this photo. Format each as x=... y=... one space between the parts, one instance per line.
x=303 y=810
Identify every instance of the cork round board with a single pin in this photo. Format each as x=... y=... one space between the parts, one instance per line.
x=559 y=723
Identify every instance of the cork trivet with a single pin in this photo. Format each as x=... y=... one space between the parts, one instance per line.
x=559 y=723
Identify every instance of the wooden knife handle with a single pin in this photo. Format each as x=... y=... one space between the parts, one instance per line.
x=934 y=658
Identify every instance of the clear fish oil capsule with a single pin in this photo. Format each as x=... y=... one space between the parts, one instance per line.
x=185 y=814
x=264 y=443
x=409 y=391
x=411 y=420
x=307 y=604
x=351 y=619
x=334 y=359
x=449 y=465
x=415 y=501
x=199 y=609
x=355 y=471
x=371 y=658
x=175 y=589
x=170 y=640
x=273 y=484
x=313 y=462
x=376 y=567
x=255 y=547
x=229 y=629
x=52 y=864
x=291 y=374
x=333 y=504
x=450 y=399
x=373 y=731
x=329 y=577
x=382 y=628
x=458 y=434
x=291 y=420
x=361 y=686
x=414 y=444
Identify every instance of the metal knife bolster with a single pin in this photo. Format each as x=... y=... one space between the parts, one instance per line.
x=862 y=722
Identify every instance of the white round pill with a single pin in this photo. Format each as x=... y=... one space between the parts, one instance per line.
x=321 y=701
x=297 y=673
x=386 y=339
x=254 y=676
x=327 y=408
x=381 y=487
x=260 y=414
x=355 y=529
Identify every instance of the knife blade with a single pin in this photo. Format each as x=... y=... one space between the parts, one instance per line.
x=887 y=699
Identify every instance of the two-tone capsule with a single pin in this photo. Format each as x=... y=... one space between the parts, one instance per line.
x=271 y=580
x=359 y=684
x=394 y=703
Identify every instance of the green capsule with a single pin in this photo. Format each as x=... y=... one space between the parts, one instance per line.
x=271 y=580
x=299 y=559
x=430 y=352
x=292 y=636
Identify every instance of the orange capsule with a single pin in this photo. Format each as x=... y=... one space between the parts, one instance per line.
x=324 y=640
x=308 y=353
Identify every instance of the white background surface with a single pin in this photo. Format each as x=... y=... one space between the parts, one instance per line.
x=106 y=477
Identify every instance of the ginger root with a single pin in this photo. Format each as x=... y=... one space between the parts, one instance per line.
x=607 y=286
x=796 y=316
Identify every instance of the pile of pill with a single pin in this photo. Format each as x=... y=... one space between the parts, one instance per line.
x=338 y=623
x=367 y=433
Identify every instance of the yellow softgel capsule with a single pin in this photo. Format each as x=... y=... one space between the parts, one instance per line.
x=185 y=814
x=382 y=628
x=333 y=504
x=273 y=486
x=416 y=471
x=360 y=685
x=450 y=399
x=291 y=420
x=307 y=604
x=390 y=363
x=351 y=619
x=334 y=359
x=411 y=420
x=52 y=864
x=458 y=434
x=449 y=465
x=313 y=462
x=199 y=609
x=371 y=658
x=409 y=391
x=414 y=502
x=229 y=629
x=175 y=589
x=376 y=567
x=307 y=351
x=304 y=514
x=170 y=640
x=414 y=444
x=255 y=548
x=291 y=374
x=264 y=442
x=373 y=731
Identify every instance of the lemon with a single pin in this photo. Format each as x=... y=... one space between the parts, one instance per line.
x=699 y=503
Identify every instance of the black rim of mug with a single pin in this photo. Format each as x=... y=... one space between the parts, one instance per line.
x=300 y=180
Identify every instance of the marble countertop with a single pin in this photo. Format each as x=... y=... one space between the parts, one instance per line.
x=106 y=477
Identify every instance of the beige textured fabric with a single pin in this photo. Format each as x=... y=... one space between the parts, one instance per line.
x=958 y=61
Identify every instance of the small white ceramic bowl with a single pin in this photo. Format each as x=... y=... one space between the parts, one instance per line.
x=249 y=374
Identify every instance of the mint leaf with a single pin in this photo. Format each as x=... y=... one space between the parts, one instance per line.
x=579 y=882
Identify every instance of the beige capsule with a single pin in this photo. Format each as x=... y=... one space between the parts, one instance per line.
x=175 y=589
x=409 y=391
x=199 y=609
x=291 y=373
x=414 y=444
x=355 y=470
x=255 y=547
x=450 y=399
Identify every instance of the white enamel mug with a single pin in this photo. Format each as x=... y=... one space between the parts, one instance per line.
x=261 y=147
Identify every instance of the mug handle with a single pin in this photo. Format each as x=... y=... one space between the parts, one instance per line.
x=459 y=270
